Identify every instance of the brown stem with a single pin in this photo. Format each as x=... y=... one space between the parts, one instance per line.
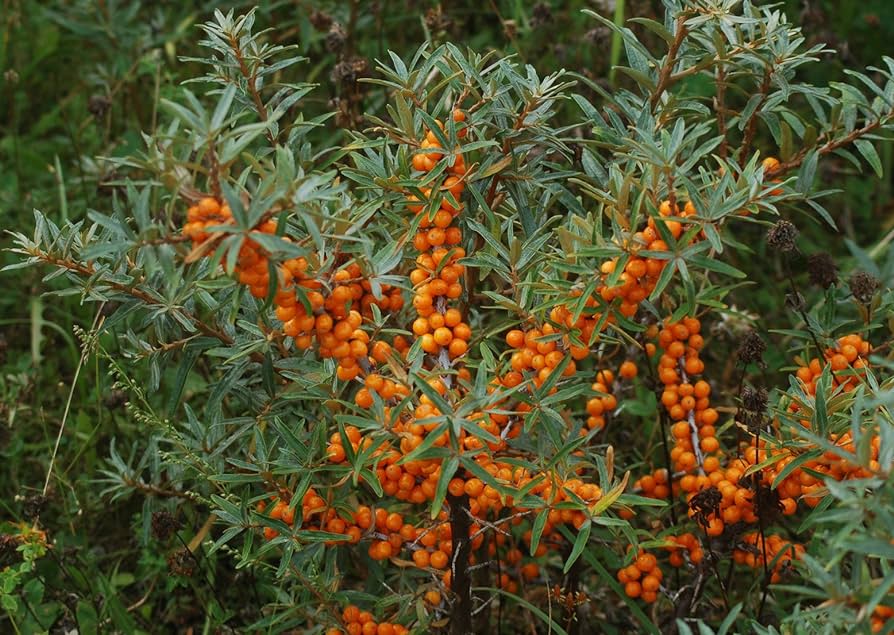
x=154 y=490
x=826 y=148
x=664 y=424
x=572 y=584
x=352 y=27
x=88 y=271
x=720 y=109
x=163 y=240
x=507 y=149
x=671 y=193
x=665 y=74
x=214 y=171
x=712 y=559
x=751 y=124
x=250 y=79
x=460 y=579
x=757 y=478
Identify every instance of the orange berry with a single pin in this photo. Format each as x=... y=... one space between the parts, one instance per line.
x=421 y=558
x=633 y=589
x=650 y=583
x=439 y=560
x=627 y=370
x=443 y=336
x=363 y=398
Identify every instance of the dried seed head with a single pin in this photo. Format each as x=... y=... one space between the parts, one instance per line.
x=108 y=309
x=181 y=562
x=98 y=105
x=754 y=422
x=768 y=497
x=164 y=525
x=795 y=301
x=115 y=399
x=752 y=348
x=705 y=503
x=436 y=20
x=754 y=399
x=598 y=35
x=782 y=236
x=864 y=285
x=320 y=20
x=822 y=270
x=335 y=39
x=34 y=505
x=510 y=28
x=541 y=15
x=8 y=548
x=350 y=70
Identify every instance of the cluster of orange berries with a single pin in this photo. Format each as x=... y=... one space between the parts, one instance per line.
x=640 y=275
x=391 y=531
x=754 y=553
x=847 y=359
x=431 y=147
x=252 y=265
x=802 y=483
x=387 y=531
x=357 y=622
x=280 y=510
x=441 y=330
x=686 y=399
x=635 y=283
x=542 y=349
x=605 y=402
x=337 y=312
x=484 y=498
x=589 y=493
x=208 y=212
x=736 y=499
x=438 y=273
x=326 y=311
x=642 y=578
x=686 y=543
x=387 y=389
x=537 y=350
x=436 y=546
x=433 y=549
x=413 y=481
x=880 y=616
x=654 y=485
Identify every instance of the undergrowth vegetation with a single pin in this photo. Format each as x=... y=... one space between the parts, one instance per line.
x=328 y=334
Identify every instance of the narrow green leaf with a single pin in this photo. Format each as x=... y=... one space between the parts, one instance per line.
x=580 y=543
x=448 y=469
x=537 y=529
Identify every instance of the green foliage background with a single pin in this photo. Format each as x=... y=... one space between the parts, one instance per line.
x=82 y=79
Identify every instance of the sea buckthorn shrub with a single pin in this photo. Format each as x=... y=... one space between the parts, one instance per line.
x=473 y=370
